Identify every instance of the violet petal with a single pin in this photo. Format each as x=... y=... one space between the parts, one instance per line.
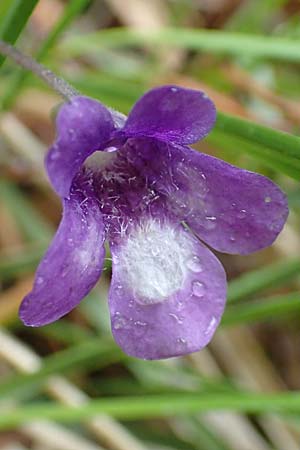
x=167 y=293
x=83 y=126
x=71 y=266
x=231 y=209
x=172 y=113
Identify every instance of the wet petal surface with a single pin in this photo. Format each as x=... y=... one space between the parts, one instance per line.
x=83 y=126
x=231 y=209
x=167 y=293
x=72 y=264
x=172 y=113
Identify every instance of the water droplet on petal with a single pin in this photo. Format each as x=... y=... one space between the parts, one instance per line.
x=138 y=323
x=202 y=188
x=210 y=222
x=177 y=319
x=242 y=214
x=39 y=280
x=211 y=325
x=174 y=89
x=194 y=264
x=119 y=321
x=181 y=341
x=268 y=199
x=198 y=288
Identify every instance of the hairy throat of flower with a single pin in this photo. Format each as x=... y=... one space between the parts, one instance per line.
x=153 y=261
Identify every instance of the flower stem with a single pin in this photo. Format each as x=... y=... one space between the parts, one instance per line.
x=55 y=82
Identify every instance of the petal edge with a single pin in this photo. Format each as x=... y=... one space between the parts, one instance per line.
x=172 y=113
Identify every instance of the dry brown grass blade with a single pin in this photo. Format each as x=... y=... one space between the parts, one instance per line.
x=140 y=14
x=11 y=298
x=57 y=437
x=243 y=357
x=234 y=429
x=107 y=430
x=289 y=108
x=23 y=142
x=9 y=232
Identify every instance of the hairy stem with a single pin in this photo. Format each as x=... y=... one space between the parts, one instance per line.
x=55 y=82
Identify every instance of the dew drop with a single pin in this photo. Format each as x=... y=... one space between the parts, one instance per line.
x=138 y=323
x=119 y=321
x=211 y=325
x=268 y=199
x=232 y=239
x=177 y=319
x=181 y=341
x=198 y=288
x=210 y=222
x=194 y=264
x=39 y=280
x=202 y=188
x=174 y=89
x=242 y=214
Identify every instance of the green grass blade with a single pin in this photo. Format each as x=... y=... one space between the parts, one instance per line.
x=273 y=275
x=212 y=41
x=269 y=158
x=72 y=9
x=4 y=11
x=262 y=309
x=283 y=144
x=90 y=353
x=34 y=227
x=14 y=20
x=285 y=147
x=151 y=406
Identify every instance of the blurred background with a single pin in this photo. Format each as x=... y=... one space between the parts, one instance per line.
x=114 y=50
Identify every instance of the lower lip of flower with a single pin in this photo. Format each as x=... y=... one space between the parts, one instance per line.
x=156 y=260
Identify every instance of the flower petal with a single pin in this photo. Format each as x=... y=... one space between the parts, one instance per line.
x=231 y=209
x=83 y=126
x=167 y=293
x=172 y=113
x=71 y=266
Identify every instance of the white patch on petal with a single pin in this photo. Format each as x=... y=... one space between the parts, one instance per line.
x=84 y=253
x=154 y=260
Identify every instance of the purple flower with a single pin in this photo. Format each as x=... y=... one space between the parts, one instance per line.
x=136 y=183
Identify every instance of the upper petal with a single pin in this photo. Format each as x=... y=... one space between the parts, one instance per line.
x=167 y=293
x=72 y=264
x=83 y=126
x=231 y=209
x=172 y=113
